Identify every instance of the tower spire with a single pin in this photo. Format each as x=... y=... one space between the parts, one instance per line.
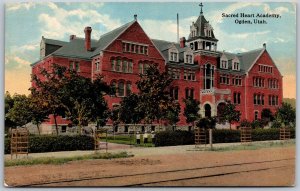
x=201 y=5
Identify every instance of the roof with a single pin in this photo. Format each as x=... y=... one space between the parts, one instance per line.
x=107 y=38
x=54 y=42
x=200 y=23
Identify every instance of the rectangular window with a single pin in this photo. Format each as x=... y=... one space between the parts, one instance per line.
x=112 y=65
x=140 y=68
x=97 y=66
x=192 y=93
x=124 y=66
x=118 y=65
x=239 y=98
x=128 y=89
x=127 y=47
x=124 y=47
x=130 y=67
x=142 y=49
x=146 y=50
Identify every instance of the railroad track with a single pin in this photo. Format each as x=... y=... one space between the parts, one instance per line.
x=155 y=176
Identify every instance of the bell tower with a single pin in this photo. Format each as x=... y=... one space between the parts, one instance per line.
x=201 y=37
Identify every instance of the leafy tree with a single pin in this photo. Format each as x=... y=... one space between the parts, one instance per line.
x=84 y=105
x=245 y=123
x=9 y=103
x=130 y=112
x=207 y=122
x=229 y=114
x=172 y=115
x=20 y=113
x=154 y=96
x=48 y=86
x=286 y=114
x=191 y=110
x=257 y=124
x=267 y=115
x=39 y=112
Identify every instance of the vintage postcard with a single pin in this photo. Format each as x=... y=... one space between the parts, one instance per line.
x=150 y=94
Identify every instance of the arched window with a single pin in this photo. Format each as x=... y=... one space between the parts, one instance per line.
x=141 y=68
x=112 y=64
x=121 y=88
x=128 y=88
x=118 y=65
x=113 y=88
x=256 y=115
x=130 y=66
x=254 y=97
x=124 y=66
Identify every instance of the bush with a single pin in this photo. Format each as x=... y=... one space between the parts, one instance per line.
x=39 y=144
x=170 y=138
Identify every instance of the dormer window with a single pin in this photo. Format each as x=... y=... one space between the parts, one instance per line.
x=174 y=56
x=236 y=66
x=224 y=64
x=188 y=59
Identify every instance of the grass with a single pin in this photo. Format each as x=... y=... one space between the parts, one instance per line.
x=56 y=161
x=248 y=146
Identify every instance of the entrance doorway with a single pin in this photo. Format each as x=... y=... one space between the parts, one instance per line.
x=207 y=109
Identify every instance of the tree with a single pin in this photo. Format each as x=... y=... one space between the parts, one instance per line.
x=114 y=116
x=267 y=115
x=172 y=114
x=245 y=123
x=286 y=114
x=9 y=103
x=130 y=112
x=48 y=88
x=20 y=113
x=154 y=94
x=229 y=114
x=84 y=105
x=207 y=122
x=191 y=110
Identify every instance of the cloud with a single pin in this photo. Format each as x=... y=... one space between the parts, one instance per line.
x=247 y=35
x=16 y=62
x=61 y=22
x=18 y=6
x=277 y=10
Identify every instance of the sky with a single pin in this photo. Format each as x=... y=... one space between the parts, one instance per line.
x=26 y=23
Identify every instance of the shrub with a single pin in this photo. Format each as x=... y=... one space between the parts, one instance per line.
x=49 y=143
x=169 y=138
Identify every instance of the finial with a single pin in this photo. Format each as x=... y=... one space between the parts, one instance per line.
x=135 y=17
x=201 y=12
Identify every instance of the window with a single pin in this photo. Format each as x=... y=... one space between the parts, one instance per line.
x=135 y=48
x=237 y=80
x=112 y=65
x=273 y=83
x=118 y=65
x=141 y=68
x=258 y=82
x=189 y=59
x=128 y=88
x=113 y=88
x=189 y=93
x=121 y=89
x=265 y=68
x=259 y=99
x=124 y=66
x=74 y=65
x=97 y=63
x=174 y=73
x=224 y=64
x=256 y=115
x=189 y=75
x=255 y=99
x=236 y=66
x=224 y=79
x=130 y=67
x=173 y=56
x=174 y=92
x=237 y=98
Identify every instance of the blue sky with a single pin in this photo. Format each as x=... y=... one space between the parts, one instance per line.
x=26 y=23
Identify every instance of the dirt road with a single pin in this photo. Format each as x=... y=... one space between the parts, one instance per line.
x=264 y=167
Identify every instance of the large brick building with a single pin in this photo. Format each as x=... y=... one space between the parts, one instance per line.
x=250 y=79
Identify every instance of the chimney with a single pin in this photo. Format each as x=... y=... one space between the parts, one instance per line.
x=264 y=45
x=182 y=42
x=135 y=17
x=87 y=32
x=72 y=37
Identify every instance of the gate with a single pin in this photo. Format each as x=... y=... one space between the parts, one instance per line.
x=246 y=135
x=200 y=136
x=19 y=142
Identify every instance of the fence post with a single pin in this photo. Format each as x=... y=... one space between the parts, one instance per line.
x=210 y=138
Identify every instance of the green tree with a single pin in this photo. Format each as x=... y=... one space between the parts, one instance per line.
x=84 y=105
x=154 y=94
x=267 y=115
x=48 y=86
x=207 y=122
x=9 y=103
x=172 y=115
x=286 y=114
x=20 y=113
x=229 y=114
x=191 y=110
x=130 y=112
x=245 y=123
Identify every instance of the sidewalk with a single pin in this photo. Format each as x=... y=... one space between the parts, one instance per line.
x=136 y=151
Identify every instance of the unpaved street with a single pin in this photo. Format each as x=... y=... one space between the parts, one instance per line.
x=263 y=167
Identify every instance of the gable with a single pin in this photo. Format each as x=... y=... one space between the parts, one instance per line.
x=135 y=34
x=266 y=60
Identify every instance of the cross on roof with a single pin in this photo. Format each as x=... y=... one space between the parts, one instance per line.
x=201 y=12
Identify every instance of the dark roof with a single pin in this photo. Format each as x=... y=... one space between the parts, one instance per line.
x=107 y=38
x=200 y=23
x=54 y=42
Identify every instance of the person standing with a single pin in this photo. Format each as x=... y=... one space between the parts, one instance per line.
x=138 y=138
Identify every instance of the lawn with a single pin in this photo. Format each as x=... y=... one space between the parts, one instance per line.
x=129 y=140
